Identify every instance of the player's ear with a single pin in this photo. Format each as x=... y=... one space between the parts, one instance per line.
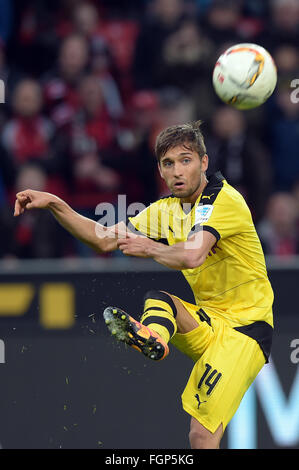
x=204 y=162
x=160 y=171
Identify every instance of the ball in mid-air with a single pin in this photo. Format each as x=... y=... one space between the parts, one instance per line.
x=245 y=76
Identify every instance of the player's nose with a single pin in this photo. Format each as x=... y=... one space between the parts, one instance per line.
x=177 y=170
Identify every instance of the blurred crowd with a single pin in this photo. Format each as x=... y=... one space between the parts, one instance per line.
x=89 y=84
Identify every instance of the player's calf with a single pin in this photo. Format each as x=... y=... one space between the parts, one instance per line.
x=201 y=438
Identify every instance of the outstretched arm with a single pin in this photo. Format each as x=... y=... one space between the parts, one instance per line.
x=101 y=239
x=182 y=255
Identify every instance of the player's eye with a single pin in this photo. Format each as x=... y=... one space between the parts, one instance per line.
x=167 y=163
x=186 y=160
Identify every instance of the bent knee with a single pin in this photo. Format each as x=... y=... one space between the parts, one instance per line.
x=163 y=296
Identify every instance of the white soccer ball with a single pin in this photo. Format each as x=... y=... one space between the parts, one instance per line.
x=245 y=76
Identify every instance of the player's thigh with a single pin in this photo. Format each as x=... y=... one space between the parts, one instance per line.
x=221 y=376
x=194 y=332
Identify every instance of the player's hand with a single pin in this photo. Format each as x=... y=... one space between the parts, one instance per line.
x=30 y=199
x=134 y=245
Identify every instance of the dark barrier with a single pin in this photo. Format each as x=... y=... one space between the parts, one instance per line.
x=65 y=383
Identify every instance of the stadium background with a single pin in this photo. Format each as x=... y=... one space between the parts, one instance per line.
x=88 y=85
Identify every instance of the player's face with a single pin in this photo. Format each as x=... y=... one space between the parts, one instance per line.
x=183 y=171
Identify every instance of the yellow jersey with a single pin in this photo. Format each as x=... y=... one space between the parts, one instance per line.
x=233 y=279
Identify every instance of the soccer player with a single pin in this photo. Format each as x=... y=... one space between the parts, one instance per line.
x=204 y=229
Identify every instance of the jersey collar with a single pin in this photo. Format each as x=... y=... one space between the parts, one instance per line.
x=215 y=183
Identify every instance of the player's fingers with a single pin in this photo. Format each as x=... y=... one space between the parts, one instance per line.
x=26 y=192
x=124 y=248
x=131 y=235
x=23 y=199
x=22 y=196
x=17 y=208
x=126 y=252
x=23 y=202
x=121 y=242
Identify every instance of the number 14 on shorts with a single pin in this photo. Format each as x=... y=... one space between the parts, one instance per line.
x=210 y=378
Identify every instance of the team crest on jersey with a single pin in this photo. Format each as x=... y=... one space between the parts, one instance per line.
x=203 y=213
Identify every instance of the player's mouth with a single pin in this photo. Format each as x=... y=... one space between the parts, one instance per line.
x=179 y=185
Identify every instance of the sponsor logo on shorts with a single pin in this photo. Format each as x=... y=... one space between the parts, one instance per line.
x=198 y=400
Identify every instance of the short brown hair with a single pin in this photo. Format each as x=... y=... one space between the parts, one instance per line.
x=181 y=134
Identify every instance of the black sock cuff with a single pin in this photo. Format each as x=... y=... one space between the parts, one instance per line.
x=159 y=295
x=160 y=321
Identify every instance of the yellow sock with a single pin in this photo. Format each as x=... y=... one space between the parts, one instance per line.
x=159 y=314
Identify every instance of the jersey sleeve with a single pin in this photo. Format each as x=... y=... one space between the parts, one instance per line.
x=227 y=216
x=148 y=223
